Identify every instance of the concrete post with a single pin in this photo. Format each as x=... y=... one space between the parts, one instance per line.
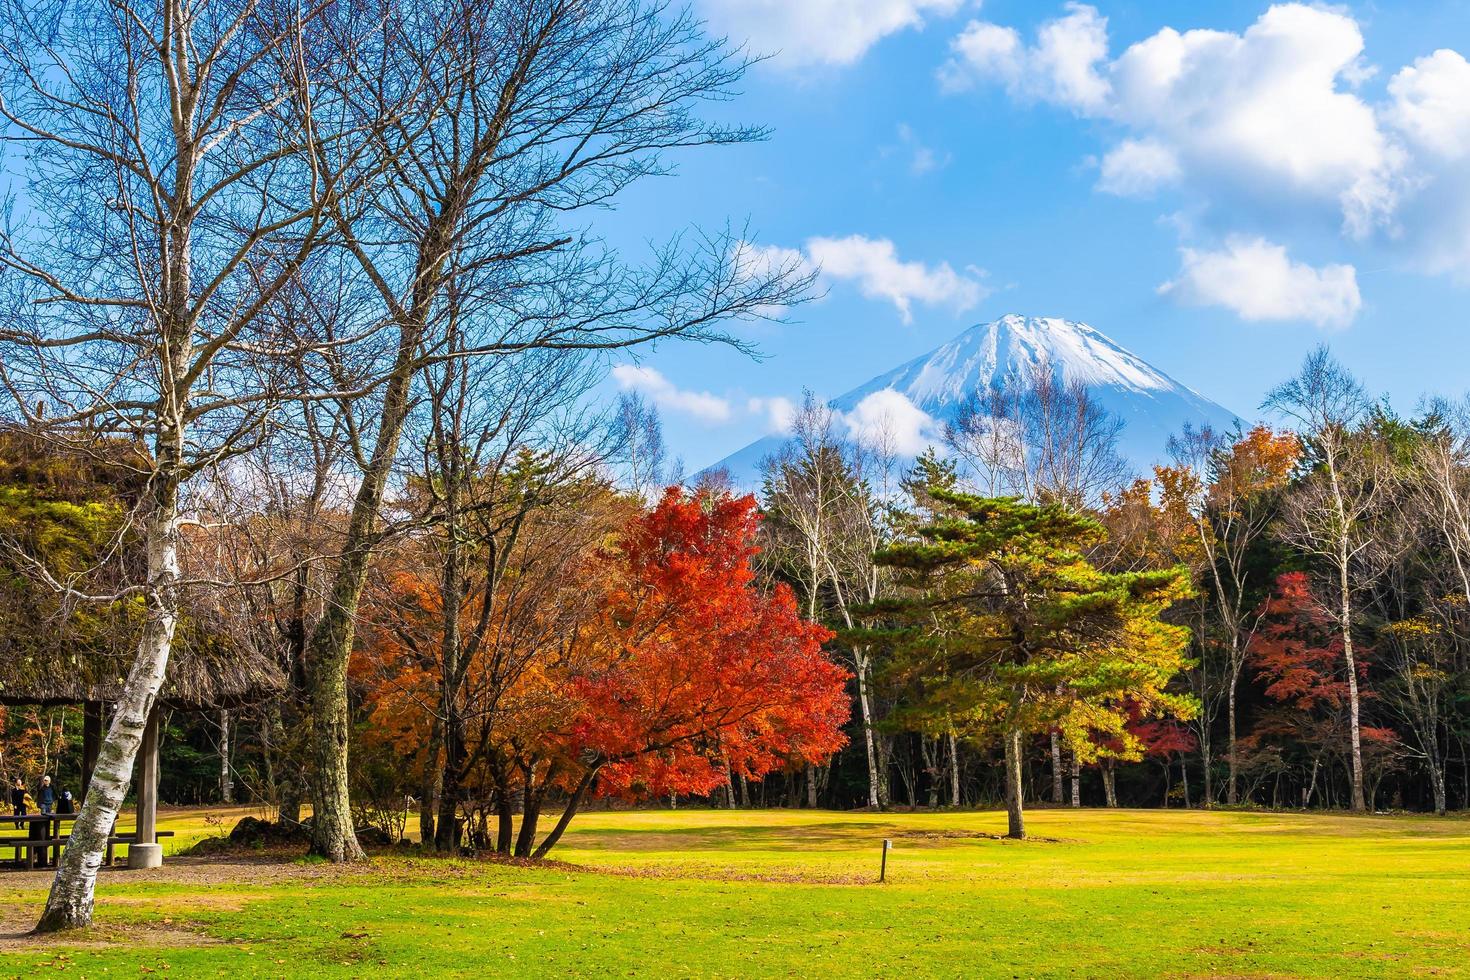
x=146 y=852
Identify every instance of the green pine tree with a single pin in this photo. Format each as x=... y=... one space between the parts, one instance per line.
x=1005 y=629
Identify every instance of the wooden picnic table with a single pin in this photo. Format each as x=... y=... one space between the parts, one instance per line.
x=44 y=848
x=45 y=843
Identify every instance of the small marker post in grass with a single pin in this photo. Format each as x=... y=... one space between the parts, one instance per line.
x=883 y=865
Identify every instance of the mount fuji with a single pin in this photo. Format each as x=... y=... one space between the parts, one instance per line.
x=1151 y=404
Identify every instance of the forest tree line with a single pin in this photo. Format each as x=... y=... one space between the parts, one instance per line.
x=1325 y=561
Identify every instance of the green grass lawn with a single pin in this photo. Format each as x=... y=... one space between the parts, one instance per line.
x=794 y=893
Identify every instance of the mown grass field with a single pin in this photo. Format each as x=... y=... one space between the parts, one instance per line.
x=794 y=893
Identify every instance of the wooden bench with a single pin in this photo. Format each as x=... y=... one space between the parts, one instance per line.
x=31 y=847
x=34 y=847
x=132 y=838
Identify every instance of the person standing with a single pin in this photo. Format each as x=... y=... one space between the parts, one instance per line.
x=18 y=798
x=48 y=796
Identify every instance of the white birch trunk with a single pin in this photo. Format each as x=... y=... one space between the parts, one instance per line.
x=69 y=906
x=860 y=660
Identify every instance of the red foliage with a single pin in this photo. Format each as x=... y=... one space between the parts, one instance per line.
x=1162 y=738
x=701 y=668
x=1298 y=650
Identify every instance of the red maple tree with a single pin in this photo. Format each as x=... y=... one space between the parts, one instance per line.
x=693 y=673
x=1298 y=655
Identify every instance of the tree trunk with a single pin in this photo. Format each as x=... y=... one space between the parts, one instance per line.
x=1076 y=782
x=1232 y=793
x=504 y=807
x=876 y=799
x=448 y=837
x=429 y=790
x=1354 y=728
x=1208 y=800
x=1015 y=816
x=568 y=812
x=1057 y=792
x=933 y=752
x=69 y=905
x=1110 y=785
x=332 y=834
x=811 y=787
x=226 y=782
x=330 y=647
x=1436 y=783
x=954 y=771
x=1311 y=785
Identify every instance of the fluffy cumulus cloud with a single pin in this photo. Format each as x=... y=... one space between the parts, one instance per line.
x=889 y=422
x=1275 y=115
x=873 y=264
x=1138 y=168
x=1061 y=67
x=1259 y=281
x=669 y=396
x=1430 y=113
x=800 y=33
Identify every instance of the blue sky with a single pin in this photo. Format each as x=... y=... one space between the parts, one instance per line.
x=1219 y=187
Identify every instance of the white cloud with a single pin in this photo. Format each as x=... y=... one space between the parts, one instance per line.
x=888 y=421
x=1265 y=113
x=1431 y=104
x=873 y=263
x=1138 y=168
x=757 y=261
x=780 y=413
x=667 y=395
x=1270 y=122
x=1061 y=67
x=800 y=33
x=1258 y=281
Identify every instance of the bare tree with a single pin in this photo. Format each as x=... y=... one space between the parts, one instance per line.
x=1326 y=515
x=166 y=207
x=824 y=524
x=506 y=440
x=518 y=117
x=638 y=455
x=1040 y=438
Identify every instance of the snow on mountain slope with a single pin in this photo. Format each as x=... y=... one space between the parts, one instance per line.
x=1152 y=405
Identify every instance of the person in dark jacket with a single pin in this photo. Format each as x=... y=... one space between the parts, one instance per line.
x=48 y=796
x=18 y=798
x=66 y=804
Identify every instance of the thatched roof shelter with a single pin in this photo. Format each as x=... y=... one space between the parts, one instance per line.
x=67 y=501
x=198 y=679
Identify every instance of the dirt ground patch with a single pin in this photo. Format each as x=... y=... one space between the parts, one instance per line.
x=205 y=873
x=213 y=870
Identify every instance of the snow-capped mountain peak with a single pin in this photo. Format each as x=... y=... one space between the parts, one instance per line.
x=1007 y=351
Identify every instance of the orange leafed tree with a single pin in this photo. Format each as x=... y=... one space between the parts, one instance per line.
x=679 y=672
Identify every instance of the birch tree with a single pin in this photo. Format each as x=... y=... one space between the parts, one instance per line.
x=825 y=526
x=1327 y=513
x=165 y=205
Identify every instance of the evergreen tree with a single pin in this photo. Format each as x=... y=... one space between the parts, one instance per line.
x=1005 y=629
